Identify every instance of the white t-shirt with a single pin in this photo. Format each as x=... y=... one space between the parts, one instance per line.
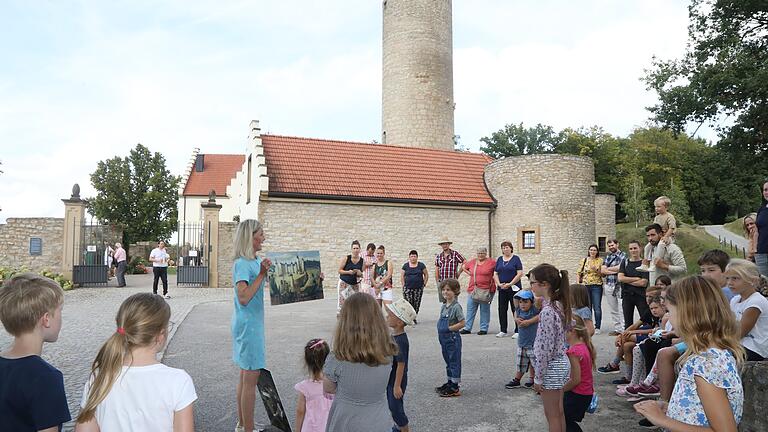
x=158 y=253
x=144 y=398
x=757 y=339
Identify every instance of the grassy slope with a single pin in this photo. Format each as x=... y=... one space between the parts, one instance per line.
x=735 y=227
x=692 y=241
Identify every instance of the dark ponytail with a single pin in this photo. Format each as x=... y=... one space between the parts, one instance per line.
x=558 y=287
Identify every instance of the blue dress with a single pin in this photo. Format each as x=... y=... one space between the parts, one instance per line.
x=248 y=347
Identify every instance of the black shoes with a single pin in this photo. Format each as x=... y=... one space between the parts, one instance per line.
x=464 y=331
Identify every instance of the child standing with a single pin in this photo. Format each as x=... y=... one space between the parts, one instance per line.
x=358 y=368
x=449 y=324
x=668 y=224
x=527 y=323
x=708 y=391
x=32 y=394
x=581 y=305
x=551 y=365
x=128 y=388
x=399 y=314
x=313 y=406
x=579 y=388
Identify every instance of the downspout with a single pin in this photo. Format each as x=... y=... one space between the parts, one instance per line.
x=491 y=212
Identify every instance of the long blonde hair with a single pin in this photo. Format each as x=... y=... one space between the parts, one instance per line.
x=243 y=247
x=362 y=335
x=140 y=320
x=752 y=216
x=580 y=329
x=704 y=317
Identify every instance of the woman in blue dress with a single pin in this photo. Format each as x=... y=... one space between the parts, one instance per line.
x=248 y=348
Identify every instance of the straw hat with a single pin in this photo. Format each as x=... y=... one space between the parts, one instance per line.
x=403 y=310
x=444 y=240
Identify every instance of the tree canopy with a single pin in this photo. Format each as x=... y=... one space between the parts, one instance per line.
x=137 y=193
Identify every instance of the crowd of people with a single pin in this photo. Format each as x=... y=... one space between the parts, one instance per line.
x=679 y=363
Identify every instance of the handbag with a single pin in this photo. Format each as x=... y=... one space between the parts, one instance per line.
x=581 y=272
x=480 y=295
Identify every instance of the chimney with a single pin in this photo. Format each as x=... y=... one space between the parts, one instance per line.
x=199 y=163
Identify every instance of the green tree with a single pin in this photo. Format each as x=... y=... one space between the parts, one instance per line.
x=137 y=193
x=679 y=206
x=516 y=140
x=635 y=201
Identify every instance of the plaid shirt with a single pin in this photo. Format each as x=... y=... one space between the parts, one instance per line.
x=447 y=266
x=612 y=260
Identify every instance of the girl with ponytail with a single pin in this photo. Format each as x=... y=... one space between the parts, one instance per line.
x=551 y=365
x=579 y=389
x=128 y=388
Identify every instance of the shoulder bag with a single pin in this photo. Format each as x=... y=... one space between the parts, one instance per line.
x=581 y=272
x=480 y=295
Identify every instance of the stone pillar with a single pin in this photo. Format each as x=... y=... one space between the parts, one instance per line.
x=211 y=232
x=74 y=212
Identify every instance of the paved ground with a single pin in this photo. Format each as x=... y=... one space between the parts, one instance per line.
x=89 y=319
x=202 y=346
x=719 y=231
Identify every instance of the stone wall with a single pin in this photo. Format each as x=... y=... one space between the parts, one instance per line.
x=605 y=217
x=14 y=243
x=755 y=380
x=550 y=195
x=417 y=74
x=226 y=243
x=330 y=228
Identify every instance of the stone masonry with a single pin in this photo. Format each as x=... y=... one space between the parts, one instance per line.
x=330 y=228
x=14 y=243
x=605 y=216
x=417 y=75
x=550 y=195
x=226 y=244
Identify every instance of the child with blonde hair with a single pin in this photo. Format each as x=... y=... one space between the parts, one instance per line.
x=357 y=370
x=313 y=405
x=579 y=388
x=708 y=391
x=750 y=307
x=128 y=388
x=32 y=396
x=668 y=224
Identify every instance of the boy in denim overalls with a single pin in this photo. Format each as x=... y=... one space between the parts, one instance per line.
x=448 y=326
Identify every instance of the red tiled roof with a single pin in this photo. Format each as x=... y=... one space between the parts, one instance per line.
x=218 y=172
x=335 y=169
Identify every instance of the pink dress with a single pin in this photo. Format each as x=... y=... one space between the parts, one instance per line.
x=318 y=405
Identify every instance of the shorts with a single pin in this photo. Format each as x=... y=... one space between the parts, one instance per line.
x=386 y=295
x=557 y=374
x=524 y=359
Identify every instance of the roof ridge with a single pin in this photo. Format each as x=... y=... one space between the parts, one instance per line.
x=375 y=144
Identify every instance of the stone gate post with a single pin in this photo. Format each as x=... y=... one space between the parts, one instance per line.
x=74 y=212
x=211 y=232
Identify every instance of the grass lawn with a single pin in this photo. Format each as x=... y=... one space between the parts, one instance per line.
x=735 y=227
x=692 y=241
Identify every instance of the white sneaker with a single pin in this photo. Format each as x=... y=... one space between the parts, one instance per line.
x=514 y=335
x=167 y=296
x=501 y=334
x=643 y=269
x=597 y=331
x=239 y=428
x=652 y=268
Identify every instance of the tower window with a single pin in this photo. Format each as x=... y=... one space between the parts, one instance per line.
x=35 y=246
x=601 y=244
x=529 y=239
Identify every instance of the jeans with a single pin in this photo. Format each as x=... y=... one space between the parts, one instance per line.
x=396 y=405
x=762 y=263
x=160 y=273
x=485 y=314
x=629 y=302
x=575 y=406
x=506 y=302
x=450 y=345
x=596 y=296
x=122 y=266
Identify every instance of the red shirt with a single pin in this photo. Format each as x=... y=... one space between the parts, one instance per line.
x=484 y=274
x=581 y=352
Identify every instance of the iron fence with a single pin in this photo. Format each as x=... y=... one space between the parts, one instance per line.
x=194 y=242
x=89 y=253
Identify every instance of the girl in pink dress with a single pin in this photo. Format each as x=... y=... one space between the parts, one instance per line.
x=313 y=405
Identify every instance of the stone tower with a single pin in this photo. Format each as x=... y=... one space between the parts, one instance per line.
x=417 y=76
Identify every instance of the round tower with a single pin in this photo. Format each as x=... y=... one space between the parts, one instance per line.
x=417 y=75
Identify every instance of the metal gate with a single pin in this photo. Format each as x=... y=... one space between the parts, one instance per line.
x=194 y=239
x=90 y=264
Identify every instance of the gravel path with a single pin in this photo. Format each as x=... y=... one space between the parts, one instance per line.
x=719 y=231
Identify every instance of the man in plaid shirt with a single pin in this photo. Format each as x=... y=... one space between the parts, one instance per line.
x=447 y=264
x=611 y=285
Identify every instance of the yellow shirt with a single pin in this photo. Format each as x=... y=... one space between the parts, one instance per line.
x=590 y=271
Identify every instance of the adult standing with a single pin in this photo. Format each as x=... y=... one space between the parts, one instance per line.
x=249 y=273
x=109 y=258
x=611 y=285
x=761 y=220
x=350 y=272
x=750 y=231
x=414 y=278
x=672 y=263
x=122 y=264
x=589 y=275
x=369 y=258
x=159 y=258
x=480 y=270
x=507 y=275
x=634 y=284
x=447 y=264
x=382 y=276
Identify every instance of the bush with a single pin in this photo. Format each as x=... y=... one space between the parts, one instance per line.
x=137 y=265
x=64 y=283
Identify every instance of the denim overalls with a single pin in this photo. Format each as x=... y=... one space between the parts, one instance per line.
x=450 y=342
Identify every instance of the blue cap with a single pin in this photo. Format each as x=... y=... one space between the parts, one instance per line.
x=525 y=295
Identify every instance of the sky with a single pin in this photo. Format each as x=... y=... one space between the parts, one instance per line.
x=84 y=81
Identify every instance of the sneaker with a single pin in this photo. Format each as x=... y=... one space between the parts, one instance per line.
x=635 y=399
x=501 y=334
x=651 y=268
x=482 y=332
x=515 y=383
x=620 y=381
x=514 y=335
x=239 y=428
x=442 y=388
x=608 y=369
x=529 y=384
x=643 y=269
x=597 y=331
x=622 y=391
x=633 y=389
x=452 y=391
x=464 y=331
x=167 y=296
x=649 y=391
x=647 y=424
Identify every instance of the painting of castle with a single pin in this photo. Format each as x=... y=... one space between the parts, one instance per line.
x=295 y=277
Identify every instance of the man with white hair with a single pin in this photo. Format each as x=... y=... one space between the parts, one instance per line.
x=122 y=264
